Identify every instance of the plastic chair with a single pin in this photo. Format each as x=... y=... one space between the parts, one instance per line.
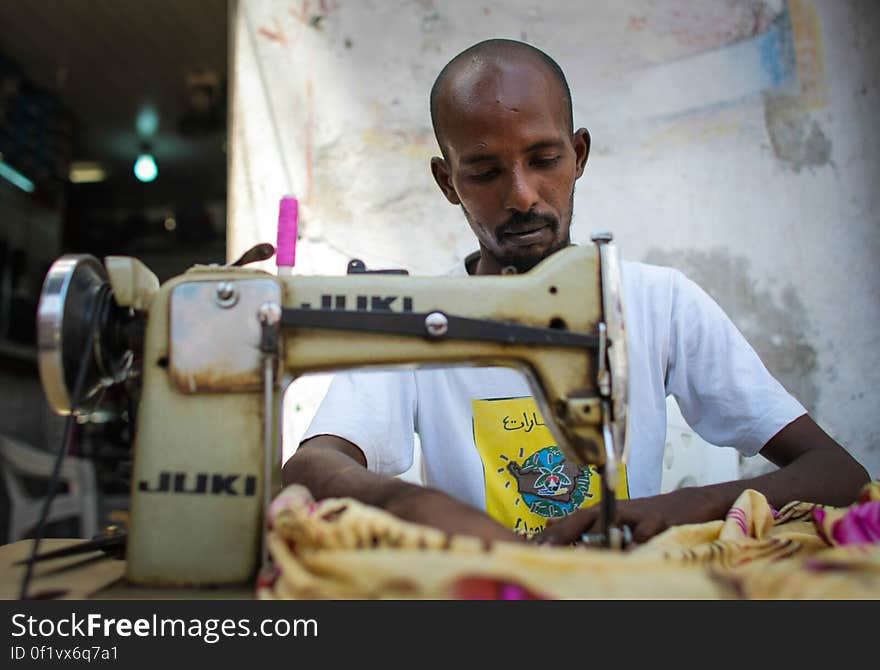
x=79 y=501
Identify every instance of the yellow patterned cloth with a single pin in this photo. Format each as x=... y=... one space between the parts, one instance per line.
x=342 y=549
x=789 y=554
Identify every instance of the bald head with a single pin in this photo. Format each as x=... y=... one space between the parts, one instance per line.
x=468 y=71
x=502 y=117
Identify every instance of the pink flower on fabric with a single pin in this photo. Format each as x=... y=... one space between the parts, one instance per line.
x=860 y=525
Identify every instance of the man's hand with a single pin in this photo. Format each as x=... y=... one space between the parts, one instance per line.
x=331 y=467
x=646 y=517
x=434 y=508
x=812 y=468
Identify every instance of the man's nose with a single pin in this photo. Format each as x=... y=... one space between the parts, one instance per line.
x=522 y=195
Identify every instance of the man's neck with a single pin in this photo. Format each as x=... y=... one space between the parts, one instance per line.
x=483 y=263
x=486 y=264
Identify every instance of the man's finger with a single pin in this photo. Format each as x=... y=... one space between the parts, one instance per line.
x=647 y=528
x=569 y=529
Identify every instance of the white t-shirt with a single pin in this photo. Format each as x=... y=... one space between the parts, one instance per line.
x=679 y=342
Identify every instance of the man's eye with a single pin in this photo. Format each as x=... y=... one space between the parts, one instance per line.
x=484 y=176
x=549 y=161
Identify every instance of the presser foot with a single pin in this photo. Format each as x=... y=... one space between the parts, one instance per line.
x=616 y=538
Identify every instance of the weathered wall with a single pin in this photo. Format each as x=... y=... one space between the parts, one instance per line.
x=734 y=139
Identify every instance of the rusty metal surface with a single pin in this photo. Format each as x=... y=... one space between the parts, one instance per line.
x=214 y=341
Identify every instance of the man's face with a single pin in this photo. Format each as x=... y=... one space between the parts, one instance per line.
x=511 y=162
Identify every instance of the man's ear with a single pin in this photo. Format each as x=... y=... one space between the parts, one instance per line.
x=581 y=141
x=440 y=170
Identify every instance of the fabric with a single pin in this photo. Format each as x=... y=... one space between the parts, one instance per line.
x=342 y=549
x=339 y=548
x=679 y=342
x=858 y=525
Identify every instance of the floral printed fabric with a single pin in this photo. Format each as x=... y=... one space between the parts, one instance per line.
x=859 y=524
x=340 y=548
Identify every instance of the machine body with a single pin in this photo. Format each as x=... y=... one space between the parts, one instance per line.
x=221 y=343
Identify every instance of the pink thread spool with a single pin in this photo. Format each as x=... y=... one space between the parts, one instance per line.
x=288 y=218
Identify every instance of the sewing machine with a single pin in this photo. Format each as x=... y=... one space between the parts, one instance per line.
x=208 y=354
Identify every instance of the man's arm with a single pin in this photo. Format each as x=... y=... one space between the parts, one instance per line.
x=331 y=467
x=812 y=468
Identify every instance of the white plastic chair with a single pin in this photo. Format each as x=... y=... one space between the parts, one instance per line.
x=79 y=501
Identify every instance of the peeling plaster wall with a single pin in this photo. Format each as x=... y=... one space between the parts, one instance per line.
x=733 y=139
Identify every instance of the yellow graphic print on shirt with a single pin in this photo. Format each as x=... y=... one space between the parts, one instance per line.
x=528 y=480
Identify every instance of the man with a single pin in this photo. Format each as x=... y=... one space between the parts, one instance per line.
x=503 y=119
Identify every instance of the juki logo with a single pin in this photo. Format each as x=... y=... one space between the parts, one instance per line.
x=200 y=483
x=365 y=303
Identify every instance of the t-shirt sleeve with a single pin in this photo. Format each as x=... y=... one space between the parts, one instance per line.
x=724 y=391
x=375 y=410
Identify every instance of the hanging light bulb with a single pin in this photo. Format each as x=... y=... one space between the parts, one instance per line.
x=145 y=168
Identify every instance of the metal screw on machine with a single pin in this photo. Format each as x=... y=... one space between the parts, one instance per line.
x=269 y=316
x=270 y=313
x=436 y=324
x=227 y=294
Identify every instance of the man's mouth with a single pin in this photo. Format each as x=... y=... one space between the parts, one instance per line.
x=526 y=235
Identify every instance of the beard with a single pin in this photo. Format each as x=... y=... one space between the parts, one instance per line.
x=524 y=258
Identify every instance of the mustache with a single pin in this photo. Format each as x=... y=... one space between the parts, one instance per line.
x=521 y=221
